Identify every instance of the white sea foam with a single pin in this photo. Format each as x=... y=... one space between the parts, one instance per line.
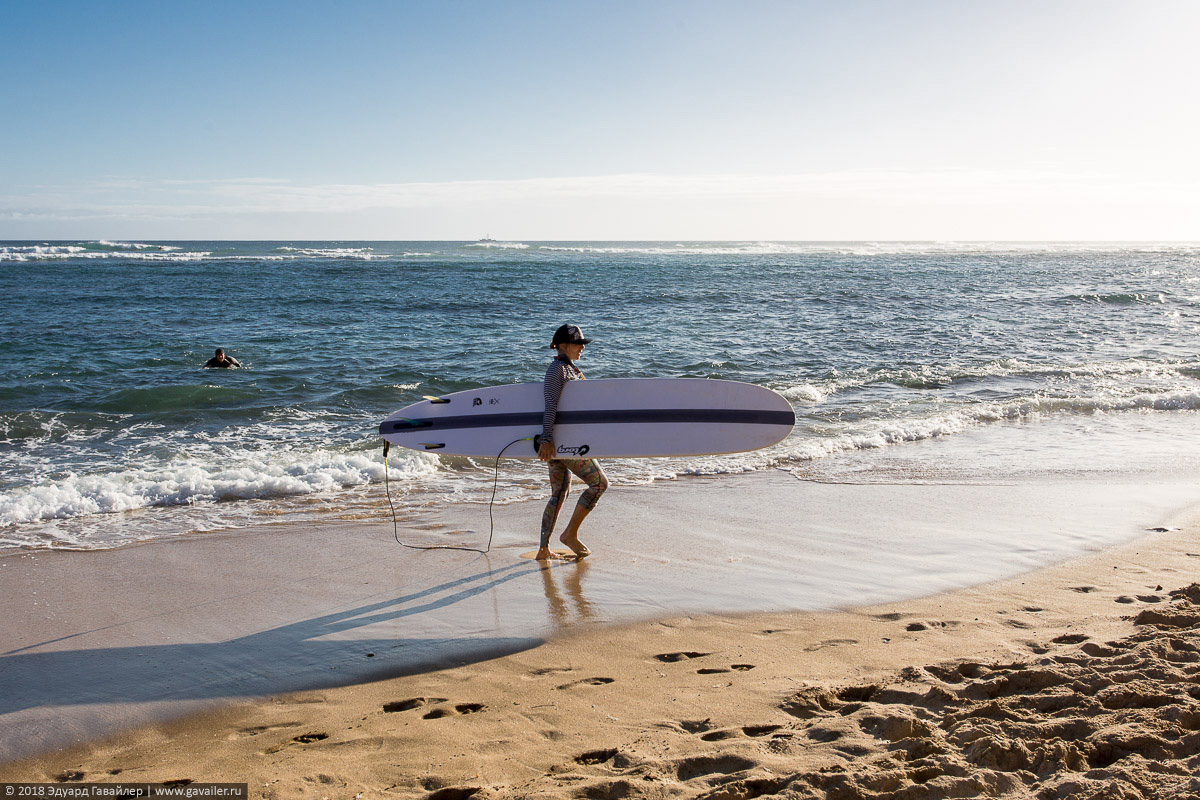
x=138 y=251
x=19 y=252
x=884 y=433
x=807 y=445
x=47 y=252
x=500 y=245
x=931 y=376
x=186 y=483
x=363 y=253
x=805 y=392
x=136 y=246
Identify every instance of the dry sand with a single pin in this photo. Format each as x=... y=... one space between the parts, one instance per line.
x=1080 y=680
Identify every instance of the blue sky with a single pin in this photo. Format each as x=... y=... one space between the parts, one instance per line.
x=614 y=120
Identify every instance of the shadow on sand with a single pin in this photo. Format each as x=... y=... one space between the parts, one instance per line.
x=284 y=659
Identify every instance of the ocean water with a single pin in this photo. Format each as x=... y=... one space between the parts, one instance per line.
x=917 y=362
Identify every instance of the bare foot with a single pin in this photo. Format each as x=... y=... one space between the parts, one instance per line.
x=577 y=547
x=546 y=554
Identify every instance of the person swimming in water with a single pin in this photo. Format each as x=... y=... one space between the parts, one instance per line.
x=568 y=342
x=222 y=361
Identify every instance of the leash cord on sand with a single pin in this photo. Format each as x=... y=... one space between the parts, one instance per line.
x=491 y=520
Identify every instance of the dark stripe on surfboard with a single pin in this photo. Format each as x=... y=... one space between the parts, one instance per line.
x=731 y=416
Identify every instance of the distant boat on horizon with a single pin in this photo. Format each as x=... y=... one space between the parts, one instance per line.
x=487 y=238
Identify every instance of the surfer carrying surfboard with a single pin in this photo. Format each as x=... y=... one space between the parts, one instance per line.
x=568 y=341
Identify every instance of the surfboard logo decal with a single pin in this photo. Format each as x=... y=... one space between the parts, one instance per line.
x=578 y=452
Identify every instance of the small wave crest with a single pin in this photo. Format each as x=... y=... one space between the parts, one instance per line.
x=28 y=427
x=885 y=433
x=500 y=245
x=100 y=250
x=805 y=393
x=941 y=376
x=183 y=483
x=359 y=253
x=104 y=244
x=140 y=251
x=1122 y=298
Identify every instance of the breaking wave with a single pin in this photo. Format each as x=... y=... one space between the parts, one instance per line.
x=189 y=482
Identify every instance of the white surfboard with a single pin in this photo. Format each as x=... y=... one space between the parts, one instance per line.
x=613 y=418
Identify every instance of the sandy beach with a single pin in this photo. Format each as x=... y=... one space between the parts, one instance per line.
x=1071 y=680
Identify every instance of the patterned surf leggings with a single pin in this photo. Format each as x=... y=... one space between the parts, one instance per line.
x=560 y=484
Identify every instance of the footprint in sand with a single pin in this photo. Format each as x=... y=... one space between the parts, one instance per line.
x=829 y=643
x=753 y=731
x=671 y=658
x=692 y=725
x=455 y=793
x=411 y=703
x=957 y=673
x=757 y=731
x=701 y=766
x=588 y=682
x=1070 y=638
x=718 y=670
x=596 y=756
x=309 y=738
x=1083 y=589
x=857 y=694
x=551 y=670
x=820 y=734
x=245 y=733
x=305 y=738
x=461 y=708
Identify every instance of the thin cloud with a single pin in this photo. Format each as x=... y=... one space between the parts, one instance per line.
x=177 y=198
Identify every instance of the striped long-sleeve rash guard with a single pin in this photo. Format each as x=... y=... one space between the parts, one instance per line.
x=560 y=371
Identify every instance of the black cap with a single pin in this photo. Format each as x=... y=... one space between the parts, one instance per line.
x=569 y=334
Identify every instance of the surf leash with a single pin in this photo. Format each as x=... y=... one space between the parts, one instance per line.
x=491 y=519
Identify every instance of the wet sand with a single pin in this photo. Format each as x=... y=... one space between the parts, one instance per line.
x=327 y=661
